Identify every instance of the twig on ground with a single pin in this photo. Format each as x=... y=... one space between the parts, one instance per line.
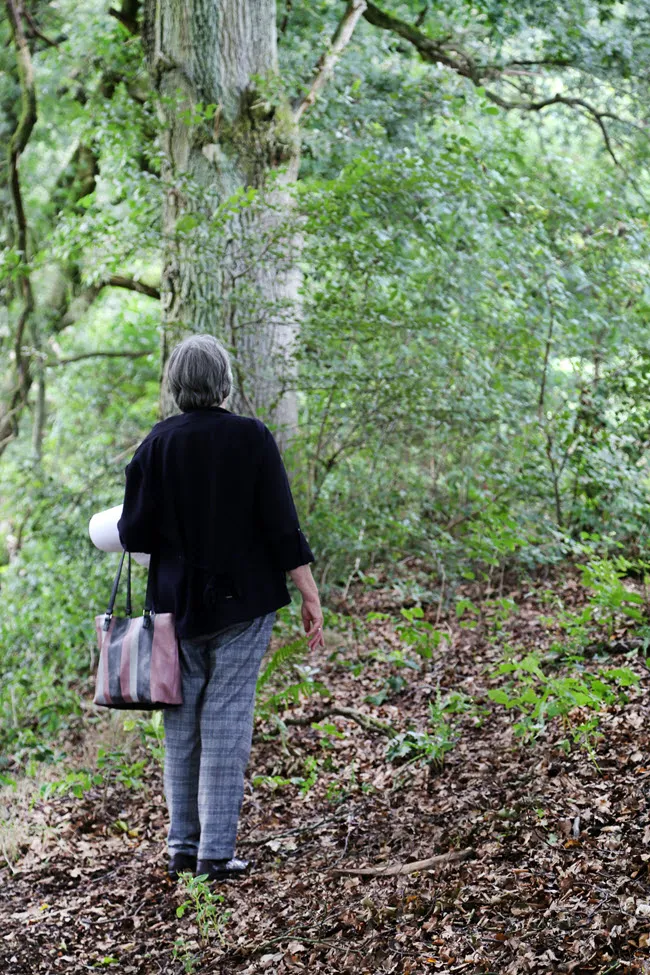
x=291 y=832
x=7 y=860
x=255 y=949
x=400 y=869
x=364 y=720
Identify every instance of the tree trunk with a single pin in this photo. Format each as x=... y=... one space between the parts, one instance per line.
x=231 y=152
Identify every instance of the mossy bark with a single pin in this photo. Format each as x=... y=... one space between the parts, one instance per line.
x=228 y=130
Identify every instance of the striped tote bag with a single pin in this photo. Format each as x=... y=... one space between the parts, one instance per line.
x=138 y=665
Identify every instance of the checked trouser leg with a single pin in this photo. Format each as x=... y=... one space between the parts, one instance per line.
x=208 y=738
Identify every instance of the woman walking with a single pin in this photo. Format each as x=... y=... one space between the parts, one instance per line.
x=208 y=496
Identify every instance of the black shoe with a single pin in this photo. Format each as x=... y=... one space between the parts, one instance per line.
x=180 y=863
x=222 y=869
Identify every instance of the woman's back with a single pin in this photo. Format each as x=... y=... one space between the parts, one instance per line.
x=207 y=494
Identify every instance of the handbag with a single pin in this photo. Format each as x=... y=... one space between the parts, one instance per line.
x=139 y=664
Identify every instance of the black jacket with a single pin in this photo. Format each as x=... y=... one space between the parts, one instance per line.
x=207 y=494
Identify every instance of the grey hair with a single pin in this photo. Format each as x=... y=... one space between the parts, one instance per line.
x=199 y=373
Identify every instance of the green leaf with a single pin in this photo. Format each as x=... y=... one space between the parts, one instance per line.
x=186 y=223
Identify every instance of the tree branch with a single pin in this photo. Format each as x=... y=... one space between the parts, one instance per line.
x=327 y=61
x=436 y=52
x=543 y=62
x=285 y=20
x=429 y=50
x=18 y=383
x=422 y=16
x=127 y=354
x=75 y=309
x=560 y=100
x=40 y=415
x=17 y=144
x=547 y=352
x=127 y=15
x=38 y=33
x=117 y=281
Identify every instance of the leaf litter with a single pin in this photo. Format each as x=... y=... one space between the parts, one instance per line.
x=548 y=851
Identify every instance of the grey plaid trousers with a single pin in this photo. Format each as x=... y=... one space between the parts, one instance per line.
x=208 y=738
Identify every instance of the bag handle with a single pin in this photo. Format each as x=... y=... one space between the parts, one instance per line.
x=111 y=604
x=148 y=598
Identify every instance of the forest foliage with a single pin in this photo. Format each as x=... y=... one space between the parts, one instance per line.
x=473 y=359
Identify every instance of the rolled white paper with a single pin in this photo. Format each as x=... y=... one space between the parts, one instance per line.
x=104 y=535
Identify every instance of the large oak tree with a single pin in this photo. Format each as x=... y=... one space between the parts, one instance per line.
x=230 y=132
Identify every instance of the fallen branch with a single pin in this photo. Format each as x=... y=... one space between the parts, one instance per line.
x=401 y=869
x=364 y=720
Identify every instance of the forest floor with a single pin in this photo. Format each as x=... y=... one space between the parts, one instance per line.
x=557 y=844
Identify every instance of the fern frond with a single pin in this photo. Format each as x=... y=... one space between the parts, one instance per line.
x=289 y=653
x=291 y=694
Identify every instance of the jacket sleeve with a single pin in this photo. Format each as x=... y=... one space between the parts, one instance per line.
x=276 y=510
x=138 y=525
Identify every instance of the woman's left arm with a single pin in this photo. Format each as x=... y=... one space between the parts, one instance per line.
x=138 y=525
x=276 y=509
